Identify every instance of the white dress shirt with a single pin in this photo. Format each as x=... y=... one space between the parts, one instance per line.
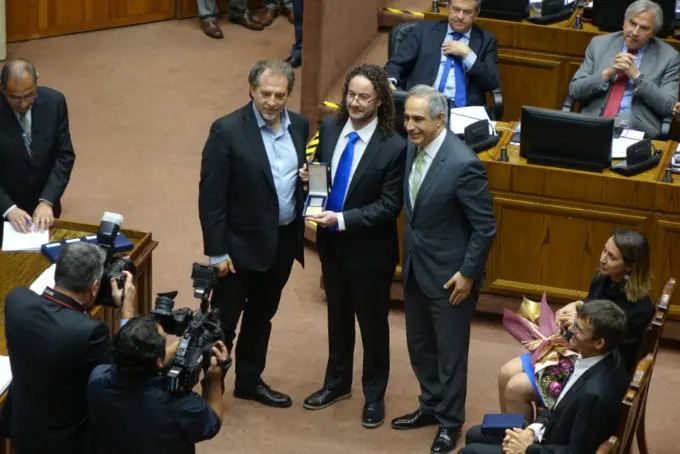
x=430 y=151
x=468 y=62
x=581 y=366
x=365 y=135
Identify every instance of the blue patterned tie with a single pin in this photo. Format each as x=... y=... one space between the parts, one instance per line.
x=337 y=197
x=460 y=97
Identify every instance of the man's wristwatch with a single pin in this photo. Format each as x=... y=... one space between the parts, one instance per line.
x=639 y=79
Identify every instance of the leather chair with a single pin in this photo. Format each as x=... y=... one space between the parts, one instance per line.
x=398 y=35
x=570 y=104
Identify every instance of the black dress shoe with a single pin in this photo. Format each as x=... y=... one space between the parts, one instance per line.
x=325 y=398
x=295 y=62
x=264 y=395
x=373 y=415
x=445 y=440
x=414 y=420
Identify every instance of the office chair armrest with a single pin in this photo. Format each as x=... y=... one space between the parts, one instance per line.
x=568 y=104
x=665 y=132
x=497 y=97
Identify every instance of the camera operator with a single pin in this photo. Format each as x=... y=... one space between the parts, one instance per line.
x=53 y=346
x=131 y=408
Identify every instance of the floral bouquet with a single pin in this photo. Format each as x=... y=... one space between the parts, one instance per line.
x=534 y=326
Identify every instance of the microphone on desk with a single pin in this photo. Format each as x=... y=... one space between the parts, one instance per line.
x=577 y=23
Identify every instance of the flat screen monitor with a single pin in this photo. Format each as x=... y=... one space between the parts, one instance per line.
x=513 y=10
x=399 y=105
x=608 y=15
x=566 y=139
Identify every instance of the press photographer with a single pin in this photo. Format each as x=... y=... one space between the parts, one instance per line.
x=53 y=346
x=131 y=406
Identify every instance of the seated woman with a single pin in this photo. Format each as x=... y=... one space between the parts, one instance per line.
x=624 y=277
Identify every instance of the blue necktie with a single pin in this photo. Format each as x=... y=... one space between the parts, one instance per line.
x=337 y=197
x=460 y=98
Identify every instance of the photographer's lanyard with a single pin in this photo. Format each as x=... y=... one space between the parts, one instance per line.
x=62 y=300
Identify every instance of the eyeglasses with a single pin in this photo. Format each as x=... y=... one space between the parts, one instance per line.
x=19 y=99
x=361 y=98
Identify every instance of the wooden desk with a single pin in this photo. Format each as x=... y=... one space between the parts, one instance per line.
x=553 y=222
x=536 y=62
x=22 y=268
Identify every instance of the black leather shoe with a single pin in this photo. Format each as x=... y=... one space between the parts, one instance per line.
x=445 y=440
x=373 y=415
x=295 y=62
x=414 y=420
x=264 y=395
x=325 y=398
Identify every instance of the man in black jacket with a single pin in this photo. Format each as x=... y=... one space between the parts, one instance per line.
x=250 y=205
x=588 y=409
x=53 y=345
x=36 y=153
x=455 y=57
x=357 y=236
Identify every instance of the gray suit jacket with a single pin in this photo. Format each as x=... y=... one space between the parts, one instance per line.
x=452 y=223
x=652 y=100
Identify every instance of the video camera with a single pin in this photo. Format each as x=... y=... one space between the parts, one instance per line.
x=199 y=331
x=115 y=264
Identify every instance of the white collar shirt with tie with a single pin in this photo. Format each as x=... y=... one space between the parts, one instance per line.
x=26 y=123
x=428 y=154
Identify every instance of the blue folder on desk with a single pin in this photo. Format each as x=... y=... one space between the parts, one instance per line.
x=53 y=249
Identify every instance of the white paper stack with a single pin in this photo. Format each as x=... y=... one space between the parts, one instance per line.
x=13 y=241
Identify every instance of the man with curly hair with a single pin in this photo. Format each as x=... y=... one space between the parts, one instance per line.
x=357 y=236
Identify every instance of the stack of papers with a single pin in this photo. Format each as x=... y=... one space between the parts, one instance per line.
x=5 y=373
x=462 y=117
x=13 y=241
x=628 y=138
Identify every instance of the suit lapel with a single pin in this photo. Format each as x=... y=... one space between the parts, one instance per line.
x=432 y=172
x=329 y=141
x=572 y=393
x=435 y=55
x=372 y=148
x=256 y=143
x=475 y=41
x=649 y=58
x=410 y=153
x=13 y=130
x=298 y=141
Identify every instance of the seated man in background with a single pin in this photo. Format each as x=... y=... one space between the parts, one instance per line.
x=457 y=58
x=131 y=409
x=588 y=409
x=630 y=75
x=35 y=148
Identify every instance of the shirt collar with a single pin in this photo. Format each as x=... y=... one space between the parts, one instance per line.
x=285 y=119
x=450 y=31
x=586 y=363
x=433 y=147
x=365 y=133
x=640 y=51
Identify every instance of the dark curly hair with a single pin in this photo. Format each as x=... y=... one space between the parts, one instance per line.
x=137 y=347
x=378 y=78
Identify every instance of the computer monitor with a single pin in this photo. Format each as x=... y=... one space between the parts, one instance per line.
x=513 y=10
x=608 y=15
x=566 y=139
x=399 y=105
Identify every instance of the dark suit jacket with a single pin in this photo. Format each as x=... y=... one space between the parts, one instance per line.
x=452 y=224
x=417 y=60
x=45 y=174
x=373 y=201
x=52 y=350
x=638 y=315
x=588 y=414
x=237 y=201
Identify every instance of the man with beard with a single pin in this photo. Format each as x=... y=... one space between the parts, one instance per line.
x=250 y=205
x=357 y=237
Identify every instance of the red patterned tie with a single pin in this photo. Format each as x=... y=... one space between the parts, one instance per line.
x=617 y=92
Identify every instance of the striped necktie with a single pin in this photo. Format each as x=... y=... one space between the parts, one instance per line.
x=25 y=122
x=418 y=174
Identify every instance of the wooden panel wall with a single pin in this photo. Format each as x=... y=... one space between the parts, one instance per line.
x=27 y=19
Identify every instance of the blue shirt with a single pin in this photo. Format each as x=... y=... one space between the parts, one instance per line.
x=146 y=419
x=450 y=90
x=627 y=100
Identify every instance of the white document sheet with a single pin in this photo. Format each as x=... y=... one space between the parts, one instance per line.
x=5 y=373
x=462 y=117
x=628 y=138
x=46 y=279
x=17 y=241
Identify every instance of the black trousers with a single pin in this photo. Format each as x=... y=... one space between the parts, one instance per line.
x=438 y=339
x=256 y=295
x=366 y=295
x=478 y=443
x=298 y=7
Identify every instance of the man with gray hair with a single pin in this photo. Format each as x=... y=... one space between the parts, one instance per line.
x=630 y=75
x=250 y=204
x=53 y=345
x=448 y=228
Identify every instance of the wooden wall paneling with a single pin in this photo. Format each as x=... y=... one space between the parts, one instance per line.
x=665 y=246
x=547 y=245
x=527 y=80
